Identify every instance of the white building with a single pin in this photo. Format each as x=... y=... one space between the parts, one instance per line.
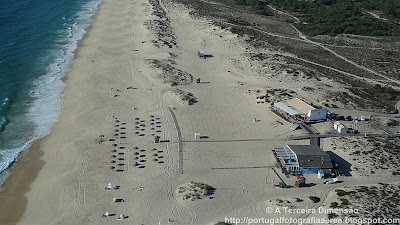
x=342 y=129
x=287 y=110
x=336 y=124
x=317 y=114
x=339 y=127
x=297 y=108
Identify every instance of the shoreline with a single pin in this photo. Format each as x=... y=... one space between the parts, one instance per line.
x=79 y=44
x=22 y=174
x=118 y=101
x=25 y=169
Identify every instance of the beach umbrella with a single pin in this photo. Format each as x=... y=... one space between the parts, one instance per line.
x=121 y=217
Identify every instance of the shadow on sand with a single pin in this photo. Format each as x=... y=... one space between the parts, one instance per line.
x=343 y=164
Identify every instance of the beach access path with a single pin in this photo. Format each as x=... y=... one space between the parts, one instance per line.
x=70 y=187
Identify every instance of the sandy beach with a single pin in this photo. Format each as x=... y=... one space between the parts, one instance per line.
x=119 y=98
x=23 y=173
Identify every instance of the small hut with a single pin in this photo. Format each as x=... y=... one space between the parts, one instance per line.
x=201 y=54
x=300 y=182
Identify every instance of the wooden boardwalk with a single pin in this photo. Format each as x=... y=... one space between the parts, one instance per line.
x=327 y=135
x=180 y=145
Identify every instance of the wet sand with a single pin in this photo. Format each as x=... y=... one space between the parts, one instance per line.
x=231 y=157
x=23 y=173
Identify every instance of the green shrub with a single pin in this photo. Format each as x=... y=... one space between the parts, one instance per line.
x=314 y=199
x=334 y=205
x=340 y=192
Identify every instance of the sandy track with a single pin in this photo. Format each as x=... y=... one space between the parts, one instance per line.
x=79 y=168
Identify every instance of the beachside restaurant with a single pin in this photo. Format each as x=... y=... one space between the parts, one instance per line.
x=301 y=159
x=299 y=110
x=287 y=110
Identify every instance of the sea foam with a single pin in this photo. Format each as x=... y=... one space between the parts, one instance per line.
x=47 y=94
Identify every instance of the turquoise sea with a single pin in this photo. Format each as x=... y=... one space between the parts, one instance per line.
x=37 y=41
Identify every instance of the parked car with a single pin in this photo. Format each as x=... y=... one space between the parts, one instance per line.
x=331 y=181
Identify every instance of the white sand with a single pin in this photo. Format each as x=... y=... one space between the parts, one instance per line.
x=70 y=189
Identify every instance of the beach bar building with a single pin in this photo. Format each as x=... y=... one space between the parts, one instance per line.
x=299 y=159
x=287 y=110
x=298 y=109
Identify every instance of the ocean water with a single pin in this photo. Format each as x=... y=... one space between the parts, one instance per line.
x=37 y=41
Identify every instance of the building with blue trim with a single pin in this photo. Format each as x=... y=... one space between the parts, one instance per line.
x=299 y=159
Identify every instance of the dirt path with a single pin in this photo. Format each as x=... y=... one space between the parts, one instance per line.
x=321 y=65
x=302 y=36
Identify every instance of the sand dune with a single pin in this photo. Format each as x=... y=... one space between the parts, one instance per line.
x=70 y=188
